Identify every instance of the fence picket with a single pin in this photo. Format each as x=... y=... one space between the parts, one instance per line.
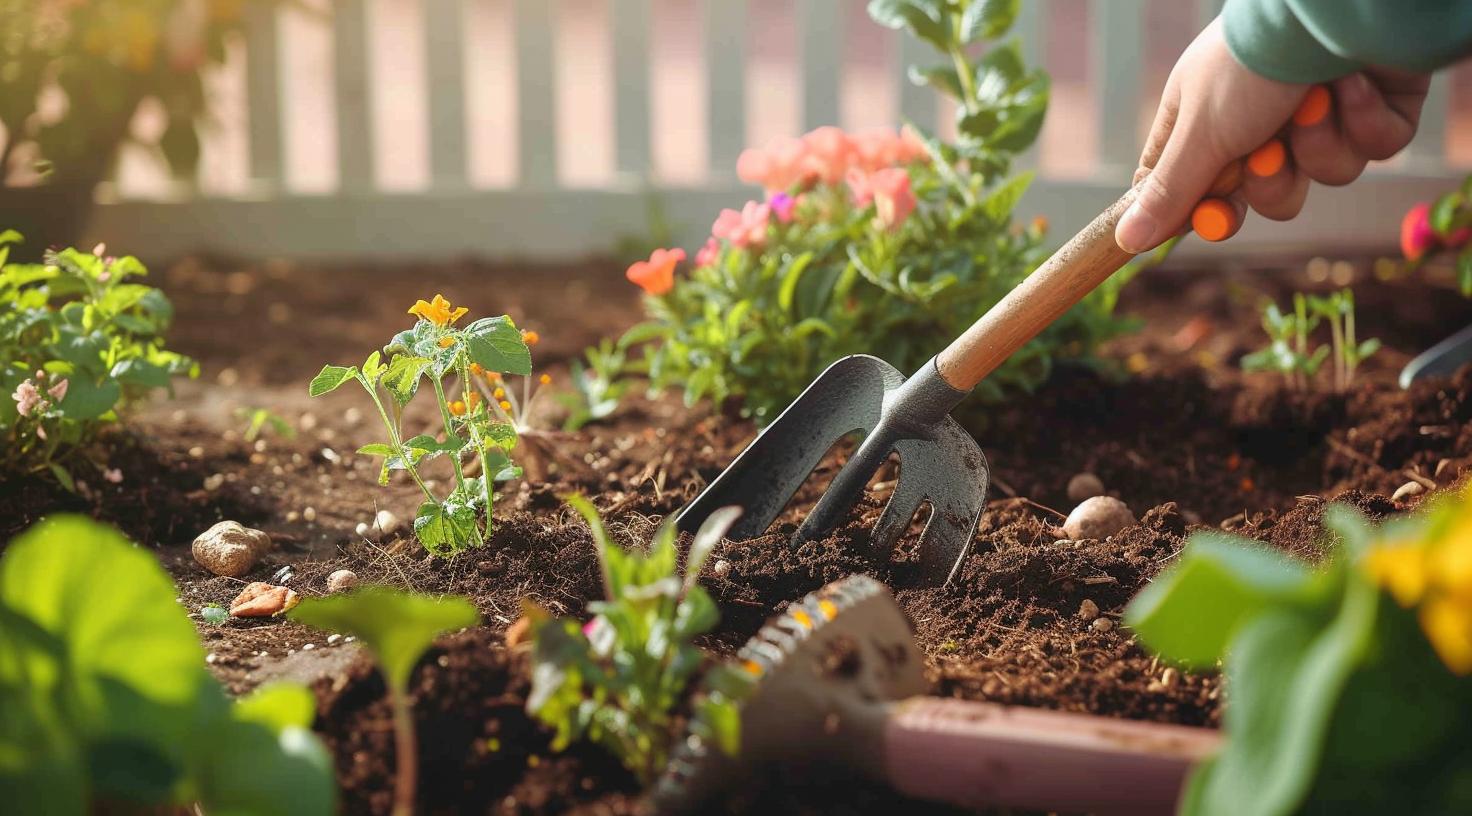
x=631 y=109
x=1427 y=150
x=1117 y=42
x=536 y=108
x=918 y=103
x=444 y=34
x=351 y=74
x=263 y=94
x=725 y=55
x=821 y=25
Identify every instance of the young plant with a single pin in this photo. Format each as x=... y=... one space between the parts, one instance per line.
x=475 y=428
x=1445 y=225
x=1289 y=334
x=617 y=678
x=79 y=341
x=598 y=387
x=260 y=419
x=882 y=242
x=108 y=707
x=397 y=627
x=1349 y=683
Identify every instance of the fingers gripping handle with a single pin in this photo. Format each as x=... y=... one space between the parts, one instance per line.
x=1072 y=272
x=975 y=754
x=1215 y=218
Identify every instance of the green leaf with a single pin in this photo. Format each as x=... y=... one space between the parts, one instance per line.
x=63 y=477
x=89 y=400
x=943 y=78
x=373 y=367
x=720 y=722
x=143 y=373
x=330 y=379
x=1444 y=213
x=495 y=343
x=445 y=528
x=377 y=449
x=1190 y=613
x=402 y=377
x=987 y=19
x=1285 y=676
x=926 y=19
x=1000 y=203
x=278 y=706
x=396 y=626
x=1464 y=272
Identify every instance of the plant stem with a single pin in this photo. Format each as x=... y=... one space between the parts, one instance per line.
x=1351 y=347
x=480 y=445
x=398 y=446
x=439 y=395
x=406 y=753
x=1336 y=332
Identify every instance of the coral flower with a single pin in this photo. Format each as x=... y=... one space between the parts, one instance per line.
x=709 y=253
x=893 y=200
x=745 y=228
x=1416 y=235
x=829 y=151
x=860 y=187
x=58 y=391
x=656 y=275
x=439 y=311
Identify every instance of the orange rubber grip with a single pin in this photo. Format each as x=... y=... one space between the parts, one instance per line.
x=1215 y=218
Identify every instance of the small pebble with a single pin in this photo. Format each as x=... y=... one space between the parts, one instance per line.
x=1099 y=518
x=342 y=580
x=361 y=529
x=1441 y=468
x=1407 y=490
x=1169 y=677
x=196 y=452
x=213 y=481
x=310 y=514
x=260 y=446
x=292 y=516
x=1102 y=625
x=307 y=422
x=309 y=647
x=352 y=416
x=1088 y=610
x=722 y=568
x=331 y=455
x=211 y=657
x=229 y=548
x=1084 y=486
x=333 y=638
x=386 y=522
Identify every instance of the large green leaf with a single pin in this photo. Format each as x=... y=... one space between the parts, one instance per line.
x=402 y=377
x=397 y=626
x=87 y=399
x=1191 y=612
x=495 y=343
x=442 y=528
x=330 y=378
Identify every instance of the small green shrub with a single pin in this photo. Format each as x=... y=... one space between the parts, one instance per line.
x=483 y=424
x=883 y=242
x=618 y=678
x=78 y=342
x=1349 y=685
x=108 y=707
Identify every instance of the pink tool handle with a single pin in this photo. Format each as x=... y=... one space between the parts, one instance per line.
x=974 y=754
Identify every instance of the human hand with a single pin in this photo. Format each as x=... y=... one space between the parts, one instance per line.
x=1214 y=111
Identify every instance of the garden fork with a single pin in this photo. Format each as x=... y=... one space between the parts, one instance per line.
x=838 y=680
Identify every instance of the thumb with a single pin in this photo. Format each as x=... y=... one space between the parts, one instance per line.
x=1165 y=196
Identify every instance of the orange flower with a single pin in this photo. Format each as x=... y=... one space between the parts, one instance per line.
x=439 y=311
x=545 y=379
x=457 y=408
x=446 y=342
x=531 y=338
x=472 y=399
x=656 y=275
x=505 y=406
x=476 y=369
x=499 y=393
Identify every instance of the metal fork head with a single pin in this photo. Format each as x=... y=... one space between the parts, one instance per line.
x=940 y=464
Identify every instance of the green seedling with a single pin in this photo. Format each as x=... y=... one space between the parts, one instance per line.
x=1289 y=334
x=618 y=678
x=107 y=703
x=260 y=419
x=397 y=627
x=79 y=342
x=475 y=427
x=1347 y=682
x=597 y=386
x=1337 y=309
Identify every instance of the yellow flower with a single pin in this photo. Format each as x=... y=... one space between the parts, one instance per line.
x=499 y=393
x=476 y=369
x=438 y=311
x=1451 y=561
x=1400 y=568
x=545 y=379
x=457 y=408
x=446 y=342
x=1447 y=622
x=530 y=337
x=505 y=406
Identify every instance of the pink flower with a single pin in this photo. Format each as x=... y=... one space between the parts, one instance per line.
x=783 y=206
x=893 y=200
x=58 y=391
x=829 y=151
x=709 y=253
x=745 y=228
x=1416 y=235
x=754 y=166
x=861 y=186
x=876 y=149
x=113 y=475
x=27 y=397
x=912 y=146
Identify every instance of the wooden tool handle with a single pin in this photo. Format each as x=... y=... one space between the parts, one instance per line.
x=1075 y=270
x=976 y=754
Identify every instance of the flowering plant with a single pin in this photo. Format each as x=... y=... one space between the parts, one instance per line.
x=1445 y=225
x=887 y=242
x=78 y=341
x=481 y=424
x=105 y=57
x=1350 y=684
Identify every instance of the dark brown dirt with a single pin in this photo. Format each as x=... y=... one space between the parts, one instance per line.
x=1189 y=442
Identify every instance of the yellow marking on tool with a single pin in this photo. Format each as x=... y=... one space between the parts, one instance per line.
x=829 y=609
x=752 y=667
x=803 y=618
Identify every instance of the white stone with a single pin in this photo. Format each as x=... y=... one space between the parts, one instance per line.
x=342 y=580
x=1407 y=490
x=1098 y=518
x=1084 y=486
x=230 y=548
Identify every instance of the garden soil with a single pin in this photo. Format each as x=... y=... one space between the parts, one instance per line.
x=1186 y=440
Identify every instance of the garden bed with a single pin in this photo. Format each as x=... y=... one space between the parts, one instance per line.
x=1188 y=441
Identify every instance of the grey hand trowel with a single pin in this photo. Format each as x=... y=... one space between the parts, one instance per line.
x=837 y=679
x=940 y=464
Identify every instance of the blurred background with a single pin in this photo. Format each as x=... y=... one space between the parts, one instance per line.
x=556 y=128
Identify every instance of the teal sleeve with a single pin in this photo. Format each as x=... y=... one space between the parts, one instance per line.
x=1319 y=40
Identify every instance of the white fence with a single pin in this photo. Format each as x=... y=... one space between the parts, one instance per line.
x=449 y=127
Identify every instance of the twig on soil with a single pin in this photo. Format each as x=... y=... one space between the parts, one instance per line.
x=1419 y=479
x=1003 y=486
x=1351 y=452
